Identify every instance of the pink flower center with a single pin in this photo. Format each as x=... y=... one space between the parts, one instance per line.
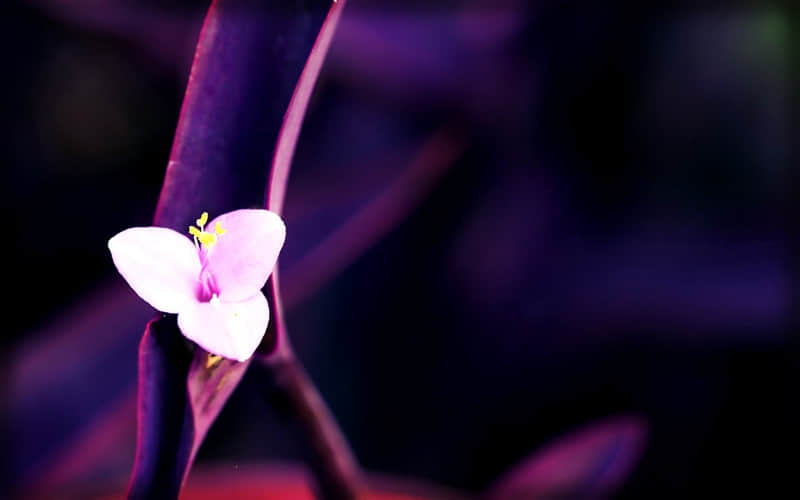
x=205 y=241
x=208 y=285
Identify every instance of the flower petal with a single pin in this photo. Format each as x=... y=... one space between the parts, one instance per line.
x=245 y=255
x=229 y=329
x=160 y=265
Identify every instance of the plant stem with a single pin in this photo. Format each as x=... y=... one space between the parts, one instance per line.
x=337 y=472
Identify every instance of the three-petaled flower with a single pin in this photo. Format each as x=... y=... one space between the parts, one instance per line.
x=214 y=282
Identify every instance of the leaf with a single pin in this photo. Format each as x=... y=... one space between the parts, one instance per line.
x=247 y=61
x=282 y=161
x=290 y=128
x=164 y=440
x=591 y=463
x=175 y=415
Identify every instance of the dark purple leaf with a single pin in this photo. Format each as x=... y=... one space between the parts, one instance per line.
x=248 y=59
x=591 y=463
x=180 y=396
x=165 y=425
x=282 y=161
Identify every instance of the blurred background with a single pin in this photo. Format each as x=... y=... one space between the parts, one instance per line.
x=506 y=221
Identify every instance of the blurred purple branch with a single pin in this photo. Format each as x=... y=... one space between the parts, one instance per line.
x=458 y=58
x=99 y=448
x=590 y=463
x=681 y=282
x=376 y=219
x=47 y=382
x=670 y=282
x=167 y=37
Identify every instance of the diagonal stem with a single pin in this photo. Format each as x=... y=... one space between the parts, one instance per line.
x=336 y=469
x=337 y=472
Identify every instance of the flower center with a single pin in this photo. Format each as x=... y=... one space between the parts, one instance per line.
x=204 y=241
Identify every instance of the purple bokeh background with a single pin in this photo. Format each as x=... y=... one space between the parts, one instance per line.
x=584 y=211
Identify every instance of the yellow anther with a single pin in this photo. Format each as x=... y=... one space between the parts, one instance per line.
x=207 y=239
x=212 y=360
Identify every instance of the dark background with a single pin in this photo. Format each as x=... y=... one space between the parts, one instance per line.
x=612 y=236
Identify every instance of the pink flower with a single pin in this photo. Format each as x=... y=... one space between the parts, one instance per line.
x=214 y=283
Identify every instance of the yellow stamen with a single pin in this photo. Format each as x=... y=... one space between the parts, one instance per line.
x=207 y=238
x=212 y=360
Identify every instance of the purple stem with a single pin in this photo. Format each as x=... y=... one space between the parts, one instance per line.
x=336 y=469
